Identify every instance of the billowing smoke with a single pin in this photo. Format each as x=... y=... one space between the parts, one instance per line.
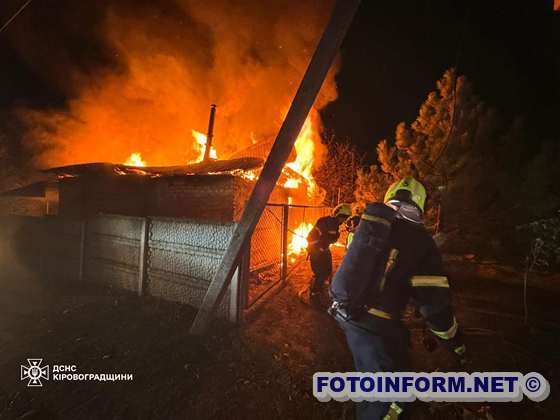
x=156 y=68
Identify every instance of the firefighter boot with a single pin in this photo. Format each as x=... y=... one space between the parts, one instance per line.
x=315 y=300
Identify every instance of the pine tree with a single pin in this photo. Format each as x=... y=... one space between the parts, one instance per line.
x=446 y=148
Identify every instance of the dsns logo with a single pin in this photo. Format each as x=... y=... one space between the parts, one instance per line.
x=34 y=372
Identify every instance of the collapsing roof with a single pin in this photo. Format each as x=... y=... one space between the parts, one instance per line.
x=205 y=167
x=206 y=190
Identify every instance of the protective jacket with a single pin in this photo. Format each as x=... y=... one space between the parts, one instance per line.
x=414 y=272
x=391 y=262
x=324 y=233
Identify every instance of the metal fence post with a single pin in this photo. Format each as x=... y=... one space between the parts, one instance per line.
x=234 y=286
x=143 y=254
x=285 y=216
x=239 y=288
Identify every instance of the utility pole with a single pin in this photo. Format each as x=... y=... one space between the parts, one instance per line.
x=321 y=61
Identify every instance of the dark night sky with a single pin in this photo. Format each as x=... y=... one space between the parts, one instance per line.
x=392 y=57
x=394 y=54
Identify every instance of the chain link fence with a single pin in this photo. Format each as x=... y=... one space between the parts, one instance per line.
x=278 y=246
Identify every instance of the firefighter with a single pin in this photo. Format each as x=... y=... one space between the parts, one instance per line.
x=324 y=233
x=410 y=269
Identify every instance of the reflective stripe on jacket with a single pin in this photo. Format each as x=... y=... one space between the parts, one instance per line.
x=414 y=272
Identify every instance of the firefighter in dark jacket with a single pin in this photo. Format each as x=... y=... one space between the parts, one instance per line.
x=324 y=233
x=413 y=271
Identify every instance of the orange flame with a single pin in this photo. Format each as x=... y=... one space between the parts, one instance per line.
x=200 y=147
x=135 y=159
x=250 y=175
x=292 y=183
x=298 y=243
x=306 y=146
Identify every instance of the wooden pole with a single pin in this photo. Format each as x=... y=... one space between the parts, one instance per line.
x=321 y=61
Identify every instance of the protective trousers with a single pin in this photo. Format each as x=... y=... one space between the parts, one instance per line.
x=377 y=345
x=321 y=265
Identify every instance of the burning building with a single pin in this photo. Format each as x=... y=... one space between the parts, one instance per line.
x=130 y=221
x=206 y=188
x=174 y=194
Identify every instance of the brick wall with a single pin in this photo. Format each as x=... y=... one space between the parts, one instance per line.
x=203 y=197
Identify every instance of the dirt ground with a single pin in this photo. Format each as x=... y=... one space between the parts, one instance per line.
x=260 y=370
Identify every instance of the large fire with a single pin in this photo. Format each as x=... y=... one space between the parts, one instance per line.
x=164 y=67
x=306 y=146
x=295 y=174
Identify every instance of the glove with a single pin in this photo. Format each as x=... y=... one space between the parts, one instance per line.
x=462 y=355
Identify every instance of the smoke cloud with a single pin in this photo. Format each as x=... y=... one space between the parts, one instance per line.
x=138 y=76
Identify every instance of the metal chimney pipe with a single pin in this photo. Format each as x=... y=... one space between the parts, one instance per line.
x=210 y=133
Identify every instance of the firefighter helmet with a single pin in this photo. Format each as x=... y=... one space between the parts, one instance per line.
x=343 y=209
x=407 y=189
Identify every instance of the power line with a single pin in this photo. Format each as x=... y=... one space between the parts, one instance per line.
x=459 y=50
x=15 y=15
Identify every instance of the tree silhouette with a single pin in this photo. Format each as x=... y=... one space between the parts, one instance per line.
x=446 y=148
x=337 y=173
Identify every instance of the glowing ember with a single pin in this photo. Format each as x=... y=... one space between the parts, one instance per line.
x=200 y=146
x=250 y=175
x=299 y=239
x=135 y=159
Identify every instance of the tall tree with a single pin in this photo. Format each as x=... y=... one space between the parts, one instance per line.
x=337 y=174
x=446 y=147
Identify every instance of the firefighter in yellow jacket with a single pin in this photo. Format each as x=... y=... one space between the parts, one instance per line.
x=391 y=261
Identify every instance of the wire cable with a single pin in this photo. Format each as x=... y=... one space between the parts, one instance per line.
x=15 y=15
x=459 y=51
